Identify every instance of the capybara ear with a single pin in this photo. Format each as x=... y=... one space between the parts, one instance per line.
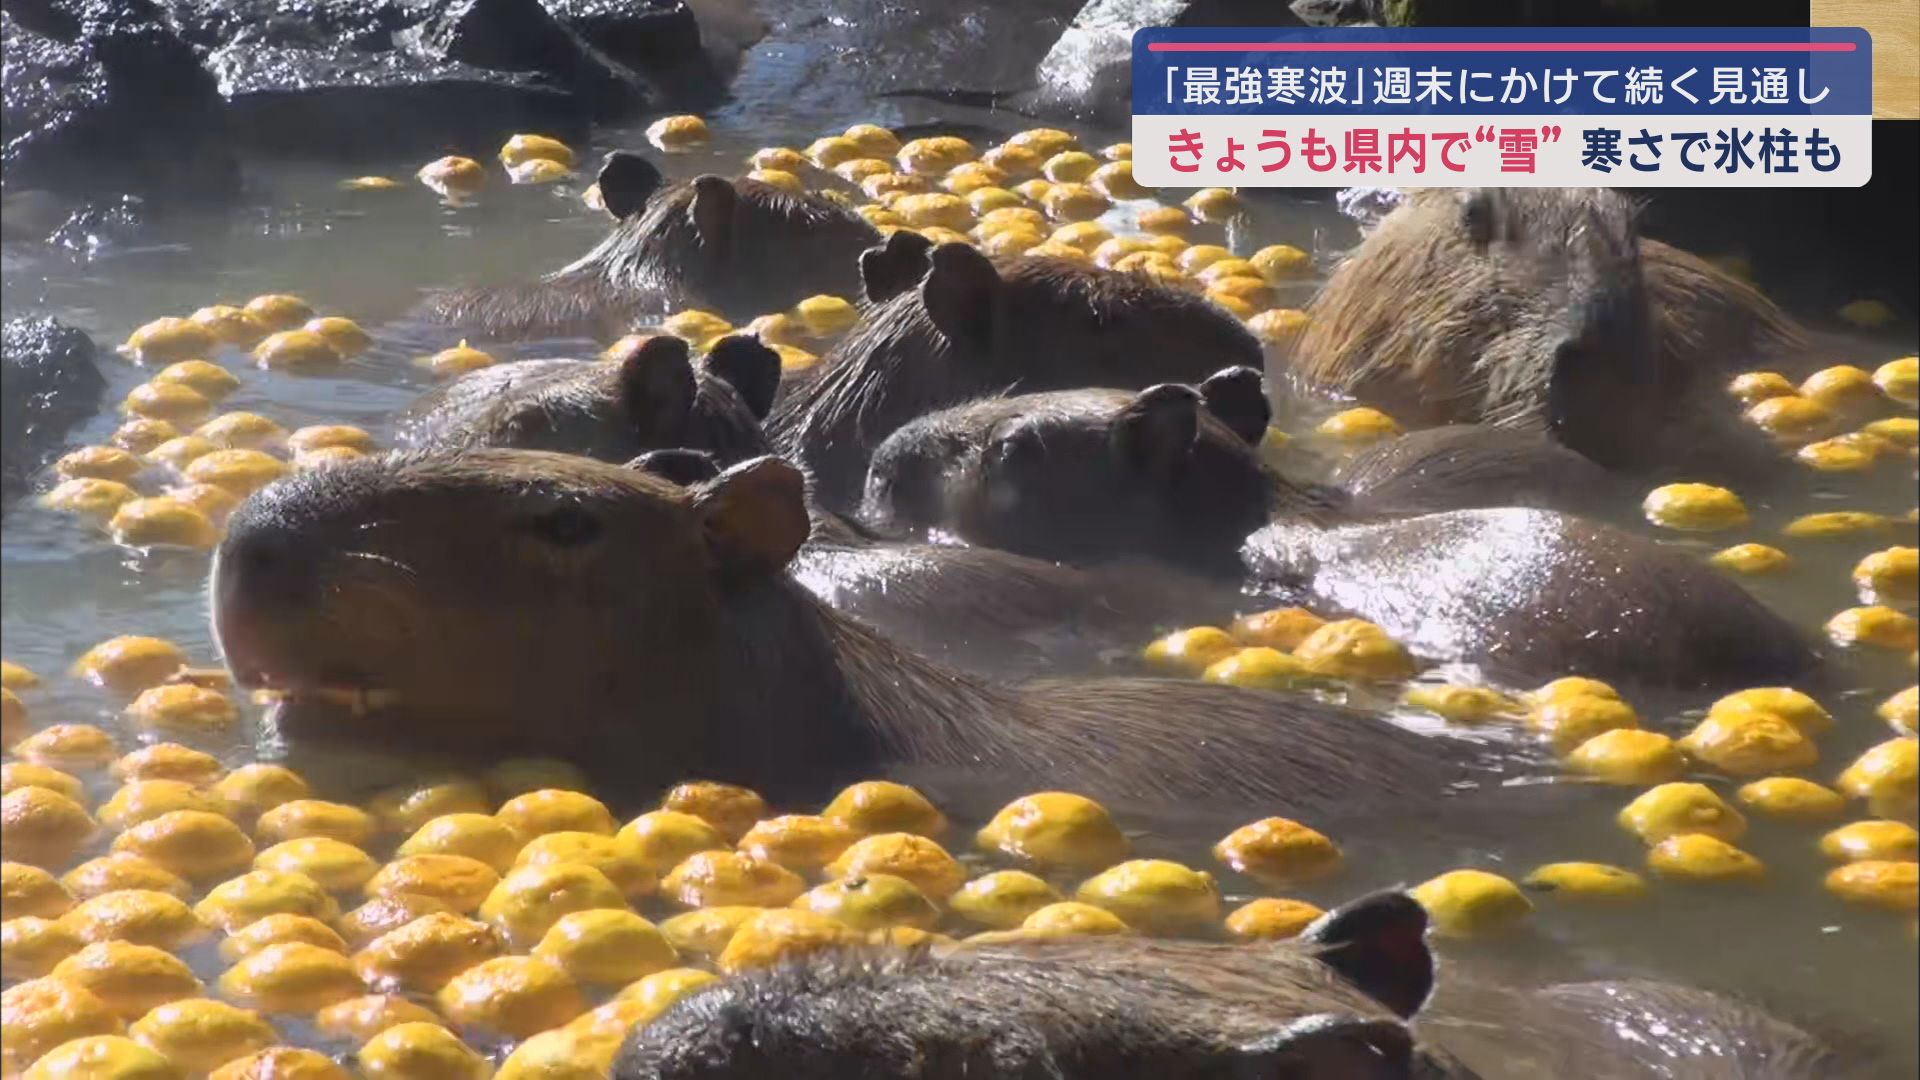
x=1379 y=944
x=1329 y=1044
x=682 y=465
x=889 y=269
x=1238 y=396
x=755 y=516
x=1155 y=432
x=627 y=181
x=1476 y=215
x=712 y=211
x=657 y=386
x=962 y=294
x=750 y=367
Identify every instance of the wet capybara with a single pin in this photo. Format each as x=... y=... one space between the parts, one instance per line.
x=1331 y=1005
x=1170 y=472
x=1473 y=466
x=1627 y=1029
x=739 y=247
x=950 y=325
x=1354 y=996
x=549 y=603
x=655 y=397
x=980 y=609
x=1534 y=594
x=1509 y=305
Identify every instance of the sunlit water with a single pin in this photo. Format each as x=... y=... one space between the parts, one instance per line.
x=370 y=255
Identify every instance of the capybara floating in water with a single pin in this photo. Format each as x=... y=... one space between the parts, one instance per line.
x=980 y=609
x=1626 y=1029
x=521 y=599
x=653 y=398
x=1473 y=466
x=949 y=326
x=1533 y=594
x=1170 y=472
x=740 y=247
x=1333 y=1004
x=1353 y=997
x=1542 y=305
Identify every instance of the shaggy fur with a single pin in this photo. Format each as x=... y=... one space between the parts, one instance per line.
x=655 y=633
x=1537 y=306
x=1532 y=594
x=974 y=328
x=609 y=411
x=739 y=247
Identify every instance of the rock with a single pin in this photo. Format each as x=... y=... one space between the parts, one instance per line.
x=521 y=36
x=660 y=39
x=1338 y=12
x=49 y=383
x=958 y=52
x=344 y=104
x=124 y=108
x=1088 y=74
x=366 y=25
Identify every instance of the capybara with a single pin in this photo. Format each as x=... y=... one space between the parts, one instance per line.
x=1170 y=472
x=739 y=247
x=980 y=609
x=951 y=325
x=1509 y=305
x=1354 y=996
x=1627 y=1029
x=553 y=603
x=1472 y=466
x=48 y=383
x=1534 y=594
x=654 y=398
x=1332 y=1005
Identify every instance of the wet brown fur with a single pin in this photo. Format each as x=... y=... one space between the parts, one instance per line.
x=1438 y=325
x=660 y=648
x=1470 y=466
x=1626 y=1030
x=1090 y=475
x=776 y=249
x=581 y=407
x=1533 y=594
x=1045 y=324
x=1059 y=1009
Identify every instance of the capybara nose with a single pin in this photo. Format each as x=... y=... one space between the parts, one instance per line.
x=266 y=563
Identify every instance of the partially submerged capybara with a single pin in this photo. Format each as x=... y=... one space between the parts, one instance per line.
x=1354 y=996
x=1472 y=466
x=1023 y=617
x=1332 y=1005
x=951 y=325
x=1626 y=1029
x=1170 y=472
x=1545 y=305
x=739 y=246
x=540 y=601
x=1533 y=594
x=653 y=398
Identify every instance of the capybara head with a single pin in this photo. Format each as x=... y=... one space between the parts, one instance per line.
x=654 y=397
x=950 y=325
x=1331 y=1004
x=512 y=597
x=1078 y=475
x=739 y=245
x=1508 y=305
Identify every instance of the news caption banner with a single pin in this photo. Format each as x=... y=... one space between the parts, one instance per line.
x=1518 y=107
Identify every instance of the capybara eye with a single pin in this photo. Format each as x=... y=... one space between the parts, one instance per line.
x=567 y=526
